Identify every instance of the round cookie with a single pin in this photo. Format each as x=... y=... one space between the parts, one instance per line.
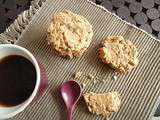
x=119 y=53
x=69 y=34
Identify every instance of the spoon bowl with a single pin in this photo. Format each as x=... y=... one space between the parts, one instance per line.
x=71 y=92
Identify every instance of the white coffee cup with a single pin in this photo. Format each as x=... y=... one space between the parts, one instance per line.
x=9 y=49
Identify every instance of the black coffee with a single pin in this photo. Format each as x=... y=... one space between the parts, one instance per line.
x=17 y=80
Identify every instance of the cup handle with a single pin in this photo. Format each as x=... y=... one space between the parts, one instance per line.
x=43 y=83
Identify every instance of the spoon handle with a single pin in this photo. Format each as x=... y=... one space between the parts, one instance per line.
x=69 y=114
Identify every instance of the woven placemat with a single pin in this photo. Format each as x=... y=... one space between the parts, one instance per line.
x=139 y=88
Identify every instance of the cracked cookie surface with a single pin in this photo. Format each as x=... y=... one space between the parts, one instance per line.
x=103 y=103
x=70 y=34
x=119 y=53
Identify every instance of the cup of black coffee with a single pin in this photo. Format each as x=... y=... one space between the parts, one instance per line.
x=22 y=80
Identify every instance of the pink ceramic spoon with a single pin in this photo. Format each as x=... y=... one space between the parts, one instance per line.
x=71 y=92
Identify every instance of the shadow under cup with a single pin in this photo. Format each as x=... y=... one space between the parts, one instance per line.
x=40 y=84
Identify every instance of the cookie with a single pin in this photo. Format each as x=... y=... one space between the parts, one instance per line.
x=70 y=34
x=119 y=53
x=103 y=103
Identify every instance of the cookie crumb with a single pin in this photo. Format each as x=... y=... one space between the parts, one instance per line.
x=114 y=77
x=78 y=74
x=48 y=43
x=103 y=81
x=90 y=76
x=84 y=85
x=94 y=81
